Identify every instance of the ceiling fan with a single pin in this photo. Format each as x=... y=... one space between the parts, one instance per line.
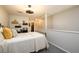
x=27 y=11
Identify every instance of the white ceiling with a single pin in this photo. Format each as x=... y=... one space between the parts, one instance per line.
x=38 y=9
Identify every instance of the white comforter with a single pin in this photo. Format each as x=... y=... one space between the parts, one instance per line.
x=25 y=42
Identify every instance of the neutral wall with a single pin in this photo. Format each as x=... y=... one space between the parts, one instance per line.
x=40 y=25
x=49 y=22
x=65 y=30
x=3 y=16
x=39 y=22
x=19 y=18
x=67 y=20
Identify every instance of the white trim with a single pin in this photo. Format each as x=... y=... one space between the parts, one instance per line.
x=66 y=31
x=58 y=47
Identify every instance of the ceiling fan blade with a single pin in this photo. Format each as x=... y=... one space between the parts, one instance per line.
x=29 y=6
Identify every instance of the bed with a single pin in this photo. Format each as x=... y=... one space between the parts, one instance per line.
x=25 y=43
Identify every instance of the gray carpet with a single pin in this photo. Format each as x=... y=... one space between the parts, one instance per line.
x=51 y=49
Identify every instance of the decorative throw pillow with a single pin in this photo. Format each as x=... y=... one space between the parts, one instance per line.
x=14 y=32
x=7 y=33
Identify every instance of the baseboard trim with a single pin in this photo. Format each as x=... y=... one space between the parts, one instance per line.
x=59 y=47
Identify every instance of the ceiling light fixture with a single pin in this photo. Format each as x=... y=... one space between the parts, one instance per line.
x=29 y=11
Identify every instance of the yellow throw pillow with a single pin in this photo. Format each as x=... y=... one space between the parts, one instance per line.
x=7 y=33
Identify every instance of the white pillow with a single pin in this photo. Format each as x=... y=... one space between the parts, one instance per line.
x=14 y=32
x=1 y=29
x=1 y=36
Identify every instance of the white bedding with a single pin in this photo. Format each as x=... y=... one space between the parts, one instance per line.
x=25 y=42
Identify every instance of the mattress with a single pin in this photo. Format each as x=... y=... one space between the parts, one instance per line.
x=25 y=42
